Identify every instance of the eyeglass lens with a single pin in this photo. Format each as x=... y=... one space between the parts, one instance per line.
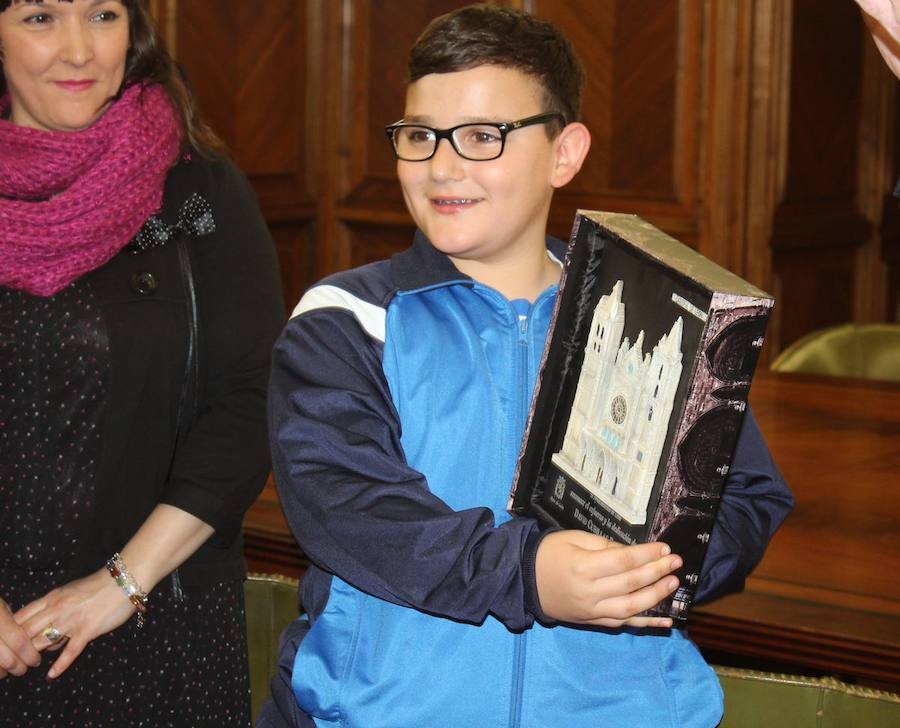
x=473 y=141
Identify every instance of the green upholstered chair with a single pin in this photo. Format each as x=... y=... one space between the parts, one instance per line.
x=752 y=699
x=767 y=700
x=867 y=351
x=271 y=603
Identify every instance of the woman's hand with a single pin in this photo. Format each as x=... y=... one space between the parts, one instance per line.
x=72 y=615
x=17 y=653
x=79 y=611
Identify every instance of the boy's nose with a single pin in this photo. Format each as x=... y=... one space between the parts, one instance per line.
x=446 y=163
x=77 y=46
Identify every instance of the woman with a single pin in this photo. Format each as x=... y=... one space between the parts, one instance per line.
x=139 y=299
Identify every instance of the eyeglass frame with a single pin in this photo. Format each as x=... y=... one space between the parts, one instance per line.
x=503 y=127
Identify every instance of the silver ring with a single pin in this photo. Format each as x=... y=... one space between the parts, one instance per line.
x=51 y=634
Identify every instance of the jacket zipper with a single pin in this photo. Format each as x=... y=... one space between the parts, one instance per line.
x=515 y=712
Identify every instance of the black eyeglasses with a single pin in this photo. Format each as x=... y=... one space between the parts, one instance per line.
x=478 y=142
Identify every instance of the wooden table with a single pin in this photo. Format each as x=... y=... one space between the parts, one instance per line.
x=827 y=595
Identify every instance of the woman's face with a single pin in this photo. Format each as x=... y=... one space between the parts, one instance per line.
x=62 y=61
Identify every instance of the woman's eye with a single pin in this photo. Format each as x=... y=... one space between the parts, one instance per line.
x=106 y=16
x=38 y=19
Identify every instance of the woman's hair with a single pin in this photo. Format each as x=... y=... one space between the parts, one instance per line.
x=148 y=60
x=492 y=35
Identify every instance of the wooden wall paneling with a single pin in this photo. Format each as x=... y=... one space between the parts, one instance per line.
x=327 y=24
x=641 y=104
x=816 y=289
x=295 y=242
x=818 y=220
x=164 y=12
x=765 y=149
x=249 y=64
x=876 y=147
x=890 y=223
x=374 y=241
x=727 y=61
x=374 y=46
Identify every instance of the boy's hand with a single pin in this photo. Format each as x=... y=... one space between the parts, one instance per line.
x=583 y=578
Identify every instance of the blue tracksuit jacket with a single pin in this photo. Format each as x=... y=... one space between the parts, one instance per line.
x=398 y=400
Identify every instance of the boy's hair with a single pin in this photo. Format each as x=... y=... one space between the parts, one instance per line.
x=490 y=35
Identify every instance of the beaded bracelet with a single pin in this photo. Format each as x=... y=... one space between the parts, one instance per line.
x=126 y=582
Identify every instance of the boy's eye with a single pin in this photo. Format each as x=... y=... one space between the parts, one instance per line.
x=480 y=135
x=418 y=135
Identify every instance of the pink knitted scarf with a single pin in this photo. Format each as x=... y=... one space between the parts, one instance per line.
x=69 y=201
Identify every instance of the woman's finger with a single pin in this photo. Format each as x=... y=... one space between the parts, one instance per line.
x=36 y=620
x=53 y=636
x=10 y=663
x=73 y=648
x=45 y=631
x=17 y=653
x=30 y=609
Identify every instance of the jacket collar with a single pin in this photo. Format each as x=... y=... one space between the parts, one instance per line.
x=423 y=266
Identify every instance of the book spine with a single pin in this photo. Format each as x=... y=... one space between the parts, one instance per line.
x=704 y=443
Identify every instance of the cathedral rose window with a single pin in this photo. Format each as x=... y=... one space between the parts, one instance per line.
x=618 y=409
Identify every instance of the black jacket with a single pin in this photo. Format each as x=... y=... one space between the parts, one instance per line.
x=222 y=462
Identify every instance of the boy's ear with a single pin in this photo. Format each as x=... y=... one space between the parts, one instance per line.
x=572 y=146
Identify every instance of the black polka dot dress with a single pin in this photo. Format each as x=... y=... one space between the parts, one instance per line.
x=187 y=666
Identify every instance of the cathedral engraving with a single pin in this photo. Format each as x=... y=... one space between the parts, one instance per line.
x=619 y=418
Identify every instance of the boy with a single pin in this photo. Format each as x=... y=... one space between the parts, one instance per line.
x=399 y=397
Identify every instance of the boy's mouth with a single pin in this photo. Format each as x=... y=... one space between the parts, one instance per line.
x=452 y=204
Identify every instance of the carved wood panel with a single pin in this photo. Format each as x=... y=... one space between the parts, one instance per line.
x=762 y=132
x=248 y=65
x=820 y=224
x=738 y=127
x=640 y=103
x=373 y=84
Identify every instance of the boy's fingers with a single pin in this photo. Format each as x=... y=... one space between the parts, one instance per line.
x=639 y=623
x=638 y=578
x=618 y=561
x=627 y=607
x=585 y=540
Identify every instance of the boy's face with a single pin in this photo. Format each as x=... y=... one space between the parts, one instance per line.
x=480 y=212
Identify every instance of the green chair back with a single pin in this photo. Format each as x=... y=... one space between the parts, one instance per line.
x=767 y=700
x=752 y=699
x=271 y=604
x=867 y=351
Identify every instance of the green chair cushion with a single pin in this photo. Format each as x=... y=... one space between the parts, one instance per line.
x=768 y=700
x=752 y=698
x=271 y=604
x=868 y=351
